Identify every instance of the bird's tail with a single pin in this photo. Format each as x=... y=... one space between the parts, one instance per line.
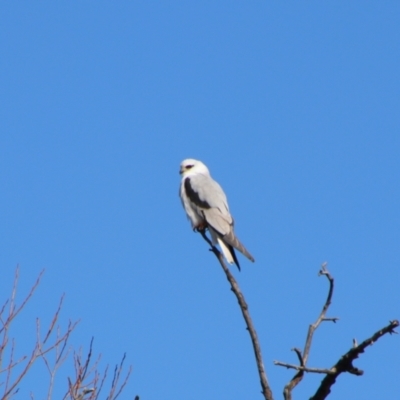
x=232 y=240
x=227 y=250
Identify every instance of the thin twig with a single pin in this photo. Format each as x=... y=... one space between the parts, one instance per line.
x=14 y=310
x=117 y=374
x=266 y=390
x=87 y=362
x=102 y=382
x=321 y=317
x=345 y=364
x=123 y=384
x=36 y=353
x=11 y=363
x=305 y=369
x=299 y=356
x=59 y=347
x=81 y=372
x=55 y=318
x=89 y=382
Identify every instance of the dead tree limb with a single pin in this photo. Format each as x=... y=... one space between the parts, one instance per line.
x=303 y=356
x=345 y=364
x=266 y=390
x=322 y=316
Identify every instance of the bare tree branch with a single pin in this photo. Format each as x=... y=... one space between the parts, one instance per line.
x=305 y=369
x=13 y=310
x=345 y=364
x=41 y=347
x=37 y=352
x=89 y=381
x=303 y=357
x=117 y=375
x=266 y=391
x=59 y=347
x=323 y=271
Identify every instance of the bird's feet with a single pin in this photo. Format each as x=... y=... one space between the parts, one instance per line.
x=200 y=227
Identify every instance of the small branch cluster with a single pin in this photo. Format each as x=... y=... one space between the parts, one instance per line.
x=42 y=347
x=88 y=381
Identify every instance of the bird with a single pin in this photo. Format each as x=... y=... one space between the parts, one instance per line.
x=206 y=206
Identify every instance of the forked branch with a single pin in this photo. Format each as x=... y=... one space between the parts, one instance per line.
x=303 y=356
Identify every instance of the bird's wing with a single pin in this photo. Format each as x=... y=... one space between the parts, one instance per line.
x=231 y=240
x=209 y=199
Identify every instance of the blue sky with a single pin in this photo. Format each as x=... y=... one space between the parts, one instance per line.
x=293 y=106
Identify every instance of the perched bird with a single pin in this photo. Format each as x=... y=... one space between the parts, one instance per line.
x=206 y=206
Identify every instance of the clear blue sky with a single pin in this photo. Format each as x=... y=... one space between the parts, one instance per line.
x=295 y=109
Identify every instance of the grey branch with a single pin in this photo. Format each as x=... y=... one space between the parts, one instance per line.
x=321 y=318
x=305 y=369
x=345 y=364
x=303 y=356
x=266 y=390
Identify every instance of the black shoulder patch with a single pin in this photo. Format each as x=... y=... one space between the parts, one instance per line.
x=194 y=196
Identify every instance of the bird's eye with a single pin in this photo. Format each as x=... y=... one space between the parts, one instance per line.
x=188 y=166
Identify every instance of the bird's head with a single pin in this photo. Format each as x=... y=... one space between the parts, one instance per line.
x=192 y=167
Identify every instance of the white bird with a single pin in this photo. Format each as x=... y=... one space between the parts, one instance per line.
x=206 y=206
